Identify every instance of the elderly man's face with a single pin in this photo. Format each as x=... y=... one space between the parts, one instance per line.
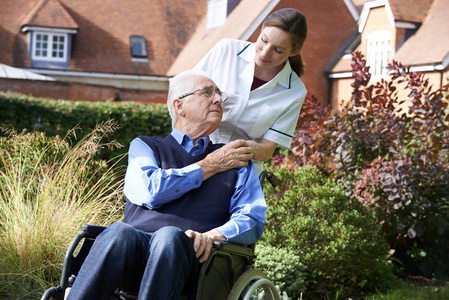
x=205 y=106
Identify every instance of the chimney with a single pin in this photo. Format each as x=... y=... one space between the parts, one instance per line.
x=218 y=11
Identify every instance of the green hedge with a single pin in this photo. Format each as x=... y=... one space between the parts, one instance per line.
x=57 y=117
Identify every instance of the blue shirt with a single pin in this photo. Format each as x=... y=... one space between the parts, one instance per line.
x=148 y=185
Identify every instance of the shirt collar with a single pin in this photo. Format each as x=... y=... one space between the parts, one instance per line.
x=284 y=77
x=248 y=53
x=186 y=142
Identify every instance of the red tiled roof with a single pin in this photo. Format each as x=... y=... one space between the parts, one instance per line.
x=103 y=46
x=359 y=4
x=50 y=13
x=13 y=49
x=410 y=10
x=104 y=27
x=430 y=44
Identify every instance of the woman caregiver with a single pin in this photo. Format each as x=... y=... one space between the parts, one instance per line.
x=262 y=81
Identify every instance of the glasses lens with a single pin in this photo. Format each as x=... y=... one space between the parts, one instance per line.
x=208 y=92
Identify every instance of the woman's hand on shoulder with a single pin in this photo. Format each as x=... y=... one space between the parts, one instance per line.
x=263 y=150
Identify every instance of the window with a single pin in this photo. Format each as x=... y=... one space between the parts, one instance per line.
x=49 y=46
x=138 y=47
x=378 y=52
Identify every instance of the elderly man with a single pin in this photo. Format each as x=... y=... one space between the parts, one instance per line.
x=181 y=197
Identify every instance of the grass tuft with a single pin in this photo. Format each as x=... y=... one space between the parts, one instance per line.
x=44 y=203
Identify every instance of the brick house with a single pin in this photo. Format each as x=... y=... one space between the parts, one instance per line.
x=413 y=32
x=100 y=50
x=330 y=24
x=128 y=50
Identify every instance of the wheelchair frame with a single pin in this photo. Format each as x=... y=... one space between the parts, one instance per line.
x=227 y=274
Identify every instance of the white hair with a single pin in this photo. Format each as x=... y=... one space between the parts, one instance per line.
x=181 y=84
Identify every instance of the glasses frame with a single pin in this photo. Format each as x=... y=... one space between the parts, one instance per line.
x=223 y=95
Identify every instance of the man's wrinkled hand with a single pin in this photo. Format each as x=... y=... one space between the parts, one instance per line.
x=202 y=244
x=235 y=154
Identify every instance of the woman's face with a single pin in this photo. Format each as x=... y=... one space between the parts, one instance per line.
x=273 y=47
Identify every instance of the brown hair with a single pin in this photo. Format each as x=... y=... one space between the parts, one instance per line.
x=294 y=23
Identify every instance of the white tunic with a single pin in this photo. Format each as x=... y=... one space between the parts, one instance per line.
x=270 y=111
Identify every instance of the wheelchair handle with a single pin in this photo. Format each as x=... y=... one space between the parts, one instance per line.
x=268 y=175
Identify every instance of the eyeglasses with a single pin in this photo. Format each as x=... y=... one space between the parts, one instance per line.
x=208 y=92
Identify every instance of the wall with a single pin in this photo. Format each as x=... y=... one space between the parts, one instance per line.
x=78 y=91
x=342 y=89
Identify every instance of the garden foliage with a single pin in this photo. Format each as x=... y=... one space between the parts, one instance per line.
x=48 y=190
x=57 y=117
x=30 y=148
x=283 y=267
x=389 y=147
x=337 y=239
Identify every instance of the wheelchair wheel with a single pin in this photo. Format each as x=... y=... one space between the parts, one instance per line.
x=253 y=284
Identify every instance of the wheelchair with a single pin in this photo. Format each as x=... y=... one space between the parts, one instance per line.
x=228 y=273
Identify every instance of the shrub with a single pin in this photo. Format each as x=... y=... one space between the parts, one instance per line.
x=57 y=117
x=283 y=268
x=391 y=153
x=337 y=239
x=45 y=199
x=30 y=148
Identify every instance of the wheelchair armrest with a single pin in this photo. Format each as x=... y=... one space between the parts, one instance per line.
x=234 y=248
x=93 y=229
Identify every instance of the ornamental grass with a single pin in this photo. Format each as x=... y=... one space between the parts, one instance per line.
x=48 y=190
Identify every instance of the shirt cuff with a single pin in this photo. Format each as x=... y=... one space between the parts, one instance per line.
x=195 y=175
x=281 y=139
x=228 y=229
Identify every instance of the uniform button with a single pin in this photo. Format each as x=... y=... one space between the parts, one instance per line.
x=177 y=190
x=197 y=182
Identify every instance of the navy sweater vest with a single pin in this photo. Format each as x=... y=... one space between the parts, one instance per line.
x=200 y=209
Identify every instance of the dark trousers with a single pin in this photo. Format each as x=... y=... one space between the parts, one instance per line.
x=157 y=264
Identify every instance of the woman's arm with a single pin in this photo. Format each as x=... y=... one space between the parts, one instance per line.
x=262 y=151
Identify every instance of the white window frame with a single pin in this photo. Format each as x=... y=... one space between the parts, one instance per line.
x=378 y=52
x=49 y=47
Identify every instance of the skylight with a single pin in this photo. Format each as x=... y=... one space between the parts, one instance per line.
x=138 y=46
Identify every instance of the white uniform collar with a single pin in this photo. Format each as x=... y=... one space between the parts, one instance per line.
x=284 y=77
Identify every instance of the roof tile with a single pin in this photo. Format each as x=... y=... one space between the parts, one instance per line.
x=410 y=10
x=430 y=44
x=50 y=13
x=104 y=27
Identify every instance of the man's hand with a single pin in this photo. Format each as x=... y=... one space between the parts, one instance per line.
x=202 y=242
x=235 y=154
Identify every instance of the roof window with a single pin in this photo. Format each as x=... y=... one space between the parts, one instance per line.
x=138 y=47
